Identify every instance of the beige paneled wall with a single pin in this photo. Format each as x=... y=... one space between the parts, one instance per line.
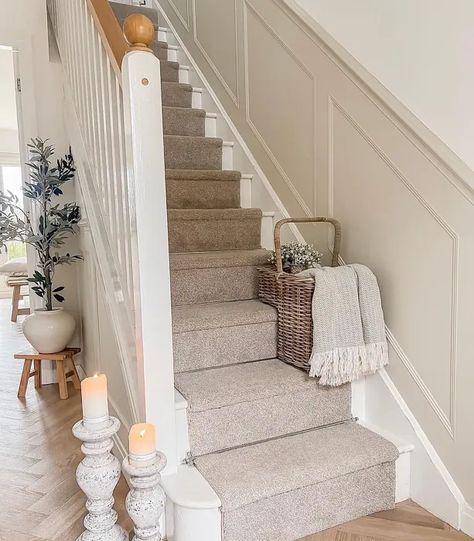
x=331 y=145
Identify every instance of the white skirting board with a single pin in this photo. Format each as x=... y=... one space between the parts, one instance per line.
x=381 y=407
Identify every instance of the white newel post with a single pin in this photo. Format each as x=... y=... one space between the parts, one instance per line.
x=141 y=84
x=97 y=476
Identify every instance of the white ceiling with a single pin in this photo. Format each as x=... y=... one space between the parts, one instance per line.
x=8 y=118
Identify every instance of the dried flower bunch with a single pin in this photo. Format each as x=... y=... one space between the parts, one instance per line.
x=298 y=255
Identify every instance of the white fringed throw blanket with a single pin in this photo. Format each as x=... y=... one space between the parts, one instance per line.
x=349 y=332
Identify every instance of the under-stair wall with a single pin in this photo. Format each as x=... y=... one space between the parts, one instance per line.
x=332 y=141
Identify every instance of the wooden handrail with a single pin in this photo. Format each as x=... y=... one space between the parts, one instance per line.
x=109 y=28
x=138 y=32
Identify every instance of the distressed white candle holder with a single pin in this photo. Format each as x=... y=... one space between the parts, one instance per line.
x=146 y=500
x=97 y=476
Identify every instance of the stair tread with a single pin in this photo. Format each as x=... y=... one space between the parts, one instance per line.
x=194 y=317
x=158 y=43
x=183 y=86
x=202 y=174
x=185 y=110
x=249 y=474
x=194 y=138
x=172 y=64
x=225 y=258
x=214 y=214
x=224 y=386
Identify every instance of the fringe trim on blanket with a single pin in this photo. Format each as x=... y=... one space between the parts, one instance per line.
x=343 y=365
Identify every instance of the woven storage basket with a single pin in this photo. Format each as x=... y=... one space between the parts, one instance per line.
x=292 y=296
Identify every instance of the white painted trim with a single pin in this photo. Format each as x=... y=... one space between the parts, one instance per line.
x=467 y=520
x=183 y=74
x=431 y=486
x=196 y=98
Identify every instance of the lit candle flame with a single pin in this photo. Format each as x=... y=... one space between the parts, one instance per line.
x=142 y=433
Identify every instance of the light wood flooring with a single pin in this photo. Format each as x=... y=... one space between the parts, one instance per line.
x=39 y=498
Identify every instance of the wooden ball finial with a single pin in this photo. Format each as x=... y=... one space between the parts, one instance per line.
x=139 y=31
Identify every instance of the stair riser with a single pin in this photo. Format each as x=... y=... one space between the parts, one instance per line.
x=183 y=122
x=267 y=418
x=197 y=286
x=297 y=514
x=169 y=72
x=173 y=96
x=190 y=153
x=201 y=194
x=217 y=347
x=210 y=235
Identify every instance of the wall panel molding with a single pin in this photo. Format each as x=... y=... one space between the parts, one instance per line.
x=184 y=18
x=233 y=93
x=271 y=155
x=447 y=418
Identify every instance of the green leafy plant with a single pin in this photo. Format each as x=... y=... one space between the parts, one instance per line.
x=54 y=223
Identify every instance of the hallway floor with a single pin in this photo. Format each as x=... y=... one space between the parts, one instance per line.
x=39 y=497
x=39 y=455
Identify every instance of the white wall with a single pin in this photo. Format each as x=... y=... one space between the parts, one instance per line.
x=420 y=50
x=8 y=115
x=23 y=26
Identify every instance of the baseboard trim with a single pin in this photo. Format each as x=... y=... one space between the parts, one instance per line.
x=431 y=484
x=467 y=520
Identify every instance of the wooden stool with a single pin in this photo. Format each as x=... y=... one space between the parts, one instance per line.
x=62 y=359
x=17 y=283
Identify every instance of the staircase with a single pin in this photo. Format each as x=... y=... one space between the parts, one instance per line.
x=282 y=453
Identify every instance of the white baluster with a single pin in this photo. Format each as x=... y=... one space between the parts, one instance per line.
x=146 y=500
x=97 y=476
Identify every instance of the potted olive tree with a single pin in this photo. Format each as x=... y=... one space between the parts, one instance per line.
x=48 y=329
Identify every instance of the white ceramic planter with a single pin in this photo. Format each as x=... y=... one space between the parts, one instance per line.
x=49 y=332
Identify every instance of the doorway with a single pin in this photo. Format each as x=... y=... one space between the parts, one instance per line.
x=13 y=262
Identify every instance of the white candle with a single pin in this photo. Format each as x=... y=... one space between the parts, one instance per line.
x=94 y=397
x=142 y=442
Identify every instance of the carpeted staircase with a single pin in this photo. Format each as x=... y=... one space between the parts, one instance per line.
x=280 y=451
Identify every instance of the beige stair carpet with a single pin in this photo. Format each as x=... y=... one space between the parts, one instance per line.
x=260 y=429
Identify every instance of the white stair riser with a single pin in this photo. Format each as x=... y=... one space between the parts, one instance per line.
x=173 y=53
x=197 y=98
x=267 y=230
x=246 y=191
x=184 y=74
x=162 y=34
x=211 y=125
x=228 y=156
x=403 y=472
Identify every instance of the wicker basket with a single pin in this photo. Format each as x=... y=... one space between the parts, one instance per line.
x=292 y=296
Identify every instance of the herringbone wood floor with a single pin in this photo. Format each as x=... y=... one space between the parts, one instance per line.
x=39 y=498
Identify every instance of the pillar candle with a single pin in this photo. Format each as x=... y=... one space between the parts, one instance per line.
x=141 y=440
x=94 y=397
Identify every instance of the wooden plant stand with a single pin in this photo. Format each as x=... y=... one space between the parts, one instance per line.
x=62 y=359
x=17 y=284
